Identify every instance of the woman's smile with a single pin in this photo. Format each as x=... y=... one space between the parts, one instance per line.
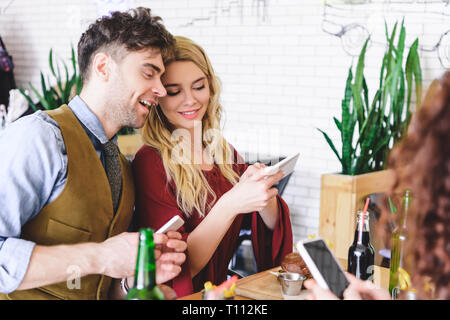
x=190 y=114
x=187 y=96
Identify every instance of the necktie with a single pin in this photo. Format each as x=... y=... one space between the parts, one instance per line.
x=113 y=171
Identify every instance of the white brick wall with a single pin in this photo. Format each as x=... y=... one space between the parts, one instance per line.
x=282 y=75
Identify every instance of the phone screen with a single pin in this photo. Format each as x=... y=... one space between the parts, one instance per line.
x=327 y=265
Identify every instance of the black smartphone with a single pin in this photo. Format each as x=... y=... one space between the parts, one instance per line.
x=323 y=265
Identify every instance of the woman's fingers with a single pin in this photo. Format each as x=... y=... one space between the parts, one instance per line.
x=172 y=257
x=160 y=238
x=169 y=242
x=166 y=272
x=318 y=293
x=173 y=235
x=273 y=179
x=251 y=170
x=169 y=293
x=177 y=245
x=273 y=192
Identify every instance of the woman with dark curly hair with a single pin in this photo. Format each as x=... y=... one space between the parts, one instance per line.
x=421 y=163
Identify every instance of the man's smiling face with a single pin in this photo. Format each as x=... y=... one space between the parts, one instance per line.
x=135 y=86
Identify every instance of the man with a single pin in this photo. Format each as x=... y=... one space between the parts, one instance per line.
x=66 y=195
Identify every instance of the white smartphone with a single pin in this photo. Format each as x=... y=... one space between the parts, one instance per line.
x=172 y=225
x=323 y=265
x=286 y=165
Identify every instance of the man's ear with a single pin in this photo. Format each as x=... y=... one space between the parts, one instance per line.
x=101 y=65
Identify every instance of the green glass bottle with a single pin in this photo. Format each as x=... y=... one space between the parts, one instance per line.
x=145 y=287
x=398 y=239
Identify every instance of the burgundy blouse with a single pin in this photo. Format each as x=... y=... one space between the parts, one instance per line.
x=156 y=204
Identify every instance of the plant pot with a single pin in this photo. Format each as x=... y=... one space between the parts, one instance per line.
x=341 y=196
x=129 y=144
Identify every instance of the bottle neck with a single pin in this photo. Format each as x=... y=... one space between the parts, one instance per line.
x=145 y=275
x=406 y=203
x=362 y=228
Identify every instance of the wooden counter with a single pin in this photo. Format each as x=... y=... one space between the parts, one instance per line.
x=265 y=286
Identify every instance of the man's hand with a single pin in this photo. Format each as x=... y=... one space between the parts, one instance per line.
x=169 y=255
x=119 y=255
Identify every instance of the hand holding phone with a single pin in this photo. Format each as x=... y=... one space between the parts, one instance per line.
x=286 y=165
x=172 y=225
x=323 y=266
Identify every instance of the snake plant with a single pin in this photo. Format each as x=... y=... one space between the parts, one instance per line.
x=377 y=125
x=61 y=93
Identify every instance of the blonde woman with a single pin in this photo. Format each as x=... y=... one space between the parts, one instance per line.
x=186 y=168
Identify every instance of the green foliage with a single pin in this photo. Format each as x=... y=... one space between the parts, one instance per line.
x=382 y=122
x=66 y=85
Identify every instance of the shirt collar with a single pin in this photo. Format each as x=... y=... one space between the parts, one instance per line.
x=89 y=119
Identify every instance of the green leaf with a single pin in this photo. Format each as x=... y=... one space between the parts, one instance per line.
x=366 y=147
x=413 y=69
x=338 y=123
x=391 y=206
x=50 y=58
x=399 y=107
x=79 y=84
x=381 y=144
x=43 y=85
x=74 y=63
x=347 y=124
x=366 y=95
x=401 y=44
x=42 y=100
x=30 y=102
x=358 y=84
x=67 y=87
x=370 y=116
x=330 y=143
x=46 y=94
x=389 y=65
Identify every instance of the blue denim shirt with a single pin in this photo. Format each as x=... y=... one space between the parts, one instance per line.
x=33 y=172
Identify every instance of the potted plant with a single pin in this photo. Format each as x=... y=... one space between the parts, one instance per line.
x=369 y=130
x=66 y=86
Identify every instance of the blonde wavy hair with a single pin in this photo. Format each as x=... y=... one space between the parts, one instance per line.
x=192 y=188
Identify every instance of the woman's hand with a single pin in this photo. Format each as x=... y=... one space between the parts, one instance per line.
x=357 y=290
x=253 y=192
x=169 y=255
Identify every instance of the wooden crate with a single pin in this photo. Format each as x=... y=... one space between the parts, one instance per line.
x=341 y=196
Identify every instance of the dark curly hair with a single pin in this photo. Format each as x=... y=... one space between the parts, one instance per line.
x=421 y=163
x=133 y=30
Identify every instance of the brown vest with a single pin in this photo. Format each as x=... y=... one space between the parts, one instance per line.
x=83 y=212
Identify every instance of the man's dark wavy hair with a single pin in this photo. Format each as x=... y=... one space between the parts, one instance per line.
x=133 y=30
